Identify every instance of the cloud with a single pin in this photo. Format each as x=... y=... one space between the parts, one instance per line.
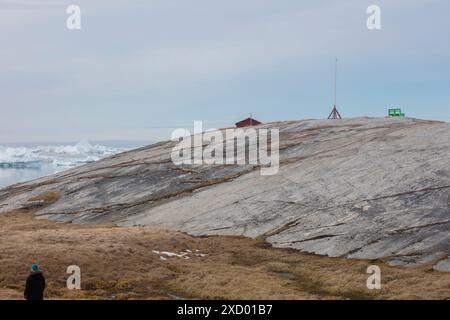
x=163 y=53
x=27 y=4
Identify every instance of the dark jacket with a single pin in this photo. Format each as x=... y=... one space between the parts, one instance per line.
x=34 y=288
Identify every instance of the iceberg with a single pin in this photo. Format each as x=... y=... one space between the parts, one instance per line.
x=60 y=156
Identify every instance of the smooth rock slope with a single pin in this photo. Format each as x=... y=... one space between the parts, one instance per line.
x=361 y=188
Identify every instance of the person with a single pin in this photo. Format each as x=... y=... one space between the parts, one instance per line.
x=35 y=285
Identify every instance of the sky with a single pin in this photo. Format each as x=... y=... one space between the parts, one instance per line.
x=139 y=69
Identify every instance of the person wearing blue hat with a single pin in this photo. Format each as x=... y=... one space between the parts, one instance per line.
x=35 y=285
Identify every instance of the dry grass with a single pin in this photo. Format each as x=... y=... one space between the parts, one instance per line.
x=118 y=263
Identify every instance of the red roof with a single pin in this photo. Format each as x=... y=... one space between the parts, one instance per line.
x=247 y=123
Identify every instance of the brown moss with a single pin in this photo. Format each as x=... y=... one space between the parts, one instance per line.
x=118 y=263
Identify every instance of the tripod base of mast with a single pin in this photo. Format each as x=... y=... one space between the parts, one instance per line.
x=334 y=114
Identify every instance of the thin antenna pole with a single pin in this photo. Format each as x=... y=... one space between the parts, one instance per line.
x=335 y=83
x=335 y=113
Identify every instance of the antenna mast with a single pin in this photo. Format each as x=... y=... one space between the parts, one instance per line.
x=335 y=113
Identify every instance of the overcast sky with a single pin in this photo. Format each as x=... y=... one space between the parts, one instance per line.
x=138 y=67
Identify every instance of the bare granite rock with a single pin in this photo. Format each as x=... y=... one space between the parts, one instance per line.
x=361 y=188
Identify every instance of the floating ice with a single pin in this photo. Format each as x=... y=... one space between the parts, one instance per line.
x=61 y=156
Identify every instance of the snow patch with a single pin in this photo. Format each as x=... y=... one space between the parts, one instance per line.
x=183 y=254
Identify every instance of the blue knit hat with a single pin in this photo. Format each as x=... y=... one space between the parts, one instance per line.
x=34 y=267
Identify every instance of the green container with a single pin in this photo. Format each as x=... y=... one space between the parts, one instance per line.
x=395 y=113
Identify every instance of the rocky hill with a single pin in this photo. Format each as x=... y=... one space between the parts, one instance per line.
x=360 y=188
